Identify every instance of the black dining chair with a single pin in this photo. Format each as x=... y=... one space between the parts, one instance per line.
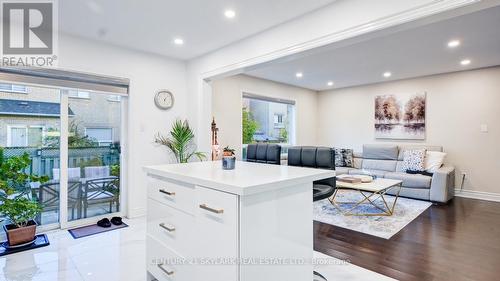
x=264 y=153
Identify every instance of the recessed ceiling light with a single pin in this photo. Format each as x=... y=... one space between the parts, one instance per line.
x=178 y=41
x=465 y=62
x=387 y=74
x=454 y=43
x=299 y=74
x=330 y=83
x=229 y=14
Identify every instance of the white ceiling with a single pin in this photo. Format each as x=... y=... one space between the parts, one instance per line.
x=151 y=25
x=411 y=53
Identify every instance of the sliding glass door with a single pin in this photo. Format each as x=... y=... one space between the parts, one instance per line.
x=94 y=148
x=30 y=125
x=74 y=138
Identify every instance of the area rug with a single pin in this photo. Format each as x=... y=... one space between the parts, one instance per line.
x=406 y=210
x=93 y=229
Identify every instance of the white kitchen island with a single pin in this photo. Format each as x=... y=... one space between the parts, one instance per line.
x=253 y=223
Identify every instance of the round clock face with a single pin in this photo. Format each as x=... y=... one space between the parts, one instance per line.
x=164 y=99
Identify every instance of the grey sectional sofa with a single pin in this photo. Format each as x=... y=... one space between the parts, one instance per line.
x=386 y=161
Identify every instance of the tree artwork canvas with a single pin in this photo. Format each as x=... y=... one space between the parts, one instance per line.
x=400 y=116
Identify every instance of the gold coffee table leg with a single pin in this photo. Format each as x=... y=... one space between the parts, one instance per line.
x=387 y=211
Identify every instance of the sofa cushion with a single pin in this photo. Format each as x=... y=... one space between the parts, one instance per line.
x=380 y=151
x=342 y=170
x=410 y=180
x=377 y=173
x=386 y=165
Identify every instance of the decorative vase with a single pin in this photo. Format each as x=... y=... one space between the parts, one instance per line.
x=228 y=162
x=20 y=235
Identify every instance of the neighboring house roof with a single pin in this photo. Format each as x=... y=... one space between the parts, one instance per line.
x=31 y=108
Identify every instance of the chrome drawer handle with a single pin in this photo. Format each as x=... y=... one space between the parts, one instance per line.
x=167 y=192
x=167 y=228
x=168 y=272
x=205 y=207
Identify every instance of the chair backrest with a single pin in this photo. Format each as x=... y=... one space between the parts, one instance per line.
x=97 y=171
x=264 y=153
x=73 y=173
x=96 y=187
x=48 y=194
x=312 y=157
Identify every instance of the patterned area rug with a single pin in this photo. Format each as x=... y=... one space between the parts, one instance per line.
x=405 y=211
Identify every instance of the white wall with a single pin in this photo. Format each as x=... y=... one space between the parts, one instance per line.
x=227 y=104
x=147 y=74
x=457 y=105
x=342 y=20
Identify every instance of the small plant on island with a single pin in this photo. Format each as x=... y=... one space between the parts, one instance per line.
x=228 y=151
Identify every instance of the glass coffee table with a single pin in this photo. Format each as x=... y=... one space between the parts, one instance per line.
x=372 y=192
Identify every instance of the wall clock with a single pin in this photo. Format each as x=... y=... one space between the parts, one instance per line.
x=164 y=99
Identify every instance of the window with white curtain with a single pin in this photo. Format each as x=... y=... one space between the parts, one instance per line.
x=13 y=88
x=78 y=94
x=19 y=136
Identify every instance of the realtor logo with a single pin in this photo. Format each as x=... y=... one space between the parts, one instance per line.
x=28 y=33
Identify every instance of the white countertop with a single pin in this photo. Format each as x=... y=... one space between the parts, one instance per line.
x=247 y=178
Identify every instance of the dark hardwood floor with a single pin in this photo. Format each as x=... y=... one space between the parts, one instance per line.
x=458 y=241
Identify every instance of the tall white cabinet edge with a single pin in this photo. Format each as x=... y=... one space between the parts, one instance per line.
x=200 y=233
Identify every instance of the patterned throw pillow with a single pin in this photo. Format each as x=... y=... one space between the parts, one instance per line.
x=413 y=160
x=339 y=160
x=344 y=157
x=348 y=156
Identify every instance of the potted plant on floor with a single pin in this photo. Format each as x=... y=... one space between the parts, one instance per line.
x=181 y=142
x=15 y=202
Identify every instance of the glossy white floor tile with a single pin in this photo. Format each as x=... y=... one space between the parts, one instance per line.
x=117 y=255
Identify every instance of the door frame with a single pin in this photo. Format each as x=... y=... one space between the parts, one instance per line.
x=64 y=223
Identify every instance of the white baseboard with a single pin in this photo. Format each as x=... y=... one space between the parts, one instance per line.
x=488 y=196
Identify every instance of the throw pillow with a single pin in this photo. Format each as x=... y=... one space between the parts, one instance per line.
x=339 y=160
x=413 y=160
x=344 y=157
x=347 y=155
x=433 y=160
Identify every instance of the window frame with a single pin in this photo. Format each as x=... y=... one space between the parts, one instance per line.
x=26 y=130
x=245 y=94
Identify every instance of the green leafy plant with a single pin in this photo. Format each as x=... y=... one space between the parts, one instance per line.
x=228 y=151
x=249 y=125
x=115 y=170
x=14 y=202
x=181 y=142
